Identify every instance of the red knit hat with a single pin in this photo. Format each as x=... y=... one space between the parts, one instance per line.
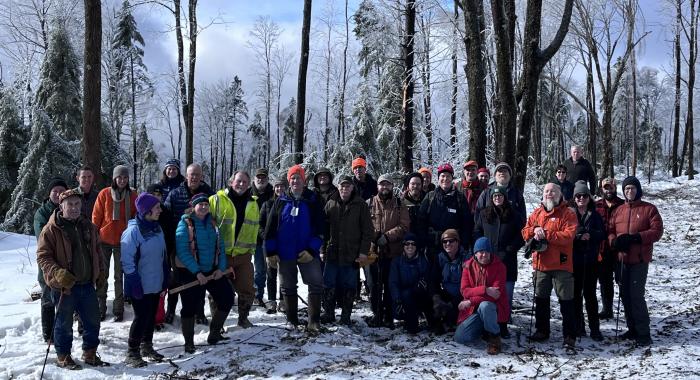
x=483 y=170
x=359 y=161
x=296 y=169
x=471 y=163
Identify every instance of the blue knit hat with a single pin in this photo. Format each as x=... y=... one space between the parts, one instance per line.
x=410 y=236
x=482 y=244
x=172 y=162
x=198 y=198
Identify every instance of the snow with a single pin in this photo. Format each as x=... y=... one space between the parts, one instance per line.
x=269 y=350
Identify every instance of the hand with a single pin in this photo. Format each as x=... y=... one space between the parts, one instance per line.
x=586 y=236
x=622 y=242
x=464 y=305
x=493 y=292
x=273 y=261
x=304 y=257
x=540 y=233
x=202 y=279
x=621 y=256
x=218 y=274
x=65 y=278
x=382 y=241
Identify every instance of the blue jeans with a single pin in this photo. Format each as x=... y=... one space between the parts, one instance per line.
x=510 y=288
x=83 y=300
x=260 y=272
x=484 y=318
x=340 y=277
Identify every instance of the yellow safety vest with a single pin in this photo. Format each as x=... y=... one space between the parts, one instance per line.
x=224 y=212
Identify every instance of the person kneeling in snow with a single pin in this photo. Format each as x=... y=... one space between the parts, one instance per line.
x=145 y=276
x=69 y=254
x=485 y=302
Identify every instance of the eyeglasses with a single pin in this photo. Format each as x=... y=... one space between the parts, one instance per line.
x=561 y=172
x=449 y=241
x=409 y=243
x=497 y=195
x=581 y=196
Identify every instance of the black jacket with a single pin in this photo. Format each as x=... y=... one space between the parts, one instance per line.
x=502 y=226
x=581 y=170
x=440 y=211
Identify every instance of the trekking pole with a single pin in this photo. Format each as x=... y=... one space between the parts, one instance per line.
x=534 y=294
x=48 y=346
x=619 y=291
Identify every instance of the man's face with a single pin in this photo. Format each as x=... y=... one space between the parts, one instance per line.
x=194 y=177
x=55 y=192
x=70 y=208
x=551 y=193
x=445 y=180
x=240 y=183
x=280 y=189
x=561 y=175
x=470 y=173
x=359 y=172
x=345 y=190
x=323 y=179
x=122 y=181
x=415 y=186
x=85 y=179
x=385 y=188
x=576 y=153
x=609 y=191
x=261 y=182
x=172 y=171
x=483 y=257
x=630 y=192
x=502 y=175
x=426 y=180
x=484 y=177
x=296 y=184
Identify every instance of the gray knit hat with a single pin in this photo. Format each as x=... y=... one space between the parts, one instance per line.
x=120 y=170
x=580 y=187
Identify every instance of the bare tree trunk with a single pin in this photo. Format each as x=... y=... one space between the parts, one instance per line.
x=633 y=64
x=327 y=105
x=190 y=78
x=453 y=103
x=341 y=112
x=675 y=171
x=692 y=57
x=133 y=118
x=186 y=107
x=92 y=86
x=591 y=118
x=301 y=85
x=476 y=73
x=408 y=86
x=506 y=106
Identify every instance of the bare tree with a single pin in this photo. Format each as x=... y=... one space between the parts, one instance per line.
x=301 y=85
x=408 y=85
x=691 y=34
x=281 y=64
x=92 y=123
x=675 y=169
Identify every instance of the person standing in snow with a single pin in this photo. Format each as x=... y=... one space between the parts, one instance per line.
x=263 y=191
x=69 y=255
x=280 y=186
x=41 y=217
x=635 y=227
x=86 y=187
x=145 y=266
x=579 y=169
x=609 y=268
x=113 y=209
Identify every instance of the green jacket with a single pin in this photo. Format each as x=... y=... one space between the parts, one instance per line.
x=42 y=215
x=223 y=211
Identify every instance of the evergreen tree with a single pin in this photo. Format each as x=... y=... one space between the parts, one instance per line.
x=59 y=88
x=13 y=139
x=49 y=156
x=256 y=131
x=147 y=158
x=112 y=153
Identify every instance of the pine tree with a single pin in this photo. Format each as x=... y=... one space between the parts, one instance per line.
x=13 y=139
x=112 y=154
x=147 y=158
x=49 y=156
x=59 y=88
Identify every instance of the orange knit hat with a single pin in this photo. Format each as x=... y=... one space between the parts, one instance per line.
x=296 y=169
x=359 y=161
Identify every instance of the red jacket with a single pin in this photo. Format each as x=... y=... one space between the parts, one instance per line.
x=606 y=212
x=560 y=227
x=637 y=217
x=476 y=278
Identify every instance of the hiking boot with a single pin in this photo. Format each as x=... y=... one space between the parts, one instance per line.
x=643 y=341
x=570 y=344
x=493 y=344
x=259 y=302
x=133 y=359
x=629 y=335
x=201 y=320
x=271 y=307
x=504 y=333
x=596 y=335
x=374 y=321
x=90 y=357
x=539 y=336
x=188 y=334
x=217 y=322
x=67 y=362
x=149 y=353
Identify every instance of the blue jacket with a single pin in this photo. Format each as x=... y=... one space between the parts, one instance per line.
x=405 y=274
x=206 y=236
x=178 y=199
x=450 y=272
x=152 y=264
x=287 y=235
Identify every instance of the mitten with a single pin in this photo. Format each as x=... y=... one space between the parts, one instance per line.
x=65 y=278
x=273 y=261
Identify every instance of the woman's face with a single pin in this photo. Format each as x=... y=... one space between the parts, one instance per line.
x=409 y=248
x=172 y=171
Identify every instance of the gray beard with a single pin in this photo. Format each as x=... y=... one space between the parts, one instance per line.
x=548 y=204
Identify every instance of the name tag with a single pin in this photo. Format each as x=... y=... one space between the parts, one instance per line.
x=295 y=211
x=452 y=211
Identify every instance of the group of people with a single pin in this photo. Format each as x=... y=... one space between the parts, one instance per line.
x=444 y=252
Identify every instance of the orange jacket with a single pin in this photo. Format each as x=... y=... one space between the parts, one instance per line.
x=111 y=230
x=560 y=228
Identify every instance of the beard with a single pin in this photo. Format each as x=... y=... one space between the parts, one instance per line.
x=384 y=194
x=610 y=195
x=548 y=204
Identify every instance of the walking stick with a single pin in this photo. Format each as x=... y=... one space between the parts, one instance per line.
x=194 y=283
x=619 y=291
x=48 y=346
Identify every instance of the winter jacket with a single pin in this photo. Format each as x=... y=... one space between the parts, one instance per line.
x=405 y=274
x=442 y=210
x=286 y=234
x=475 y=279
x=637 y=216
x=580 y=170
x=206 y=236
x=324 y=196
x=413 y=207
x=502 y=227
x=560 y=228
x=389 y=218
x=170 y=184
x=606 y=212
x=178 y=200
x=472 y=190
x=89 y=199
x=449 y=272
x=349 y=229
x=366 y=189
x=42 y=215
x=586 y=251
x=54 y=250
x=567 y=189
x=111 y=230
x=237 y=240
x=515 y=198
x=150 y=263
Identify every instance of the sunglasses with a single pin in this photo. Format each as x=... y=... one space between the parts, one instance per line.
x=561 y=172
x=448 y=241
x=581 y=196
x=407 y=243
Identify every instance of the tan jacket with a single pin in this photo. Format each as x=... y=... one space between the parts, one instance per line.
x=390 y=218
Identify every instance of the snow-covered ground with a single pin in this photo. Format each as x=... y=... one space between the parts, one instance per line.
x=269 y=350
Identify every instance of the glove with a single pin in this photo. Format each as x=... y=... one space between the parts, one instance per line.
x=132 y=286
x=65 y=278
x=304 y=257
x=622 y=242
x=636 y=238
x=367 y=259
x=398 y=310
x=273 y=261
x=382 y=241
x=101 y=280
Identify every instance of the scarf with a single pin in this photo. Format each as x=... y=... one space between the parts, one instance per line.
x=147 y=227
x=117 y=198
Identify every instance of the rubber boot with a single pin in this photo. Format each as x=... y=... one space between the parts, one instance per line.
x=291 y=309
x=48 y=315
x=188 y=334
x=314 y=309
x=348 y=301
x=243 y=311
x=329 y=306
x=217 y=322
x=542 y=314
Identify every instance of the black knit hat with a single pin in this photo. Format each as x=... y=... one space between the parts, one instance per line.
x=56 y=181
x=631 y=180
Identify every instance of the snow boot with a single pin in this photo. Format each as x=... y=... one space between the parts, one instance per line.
x=493 y=344
x=271 y=307
x=67 y=362
x=328 y=306
x=149 y=353
x=188 y=334
x=217 y=322
x=91 y=357
x=314 y=309
x=133 y=358
x=291 y=305
x=643 y=341
x=243 y=311
x=348 y=301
